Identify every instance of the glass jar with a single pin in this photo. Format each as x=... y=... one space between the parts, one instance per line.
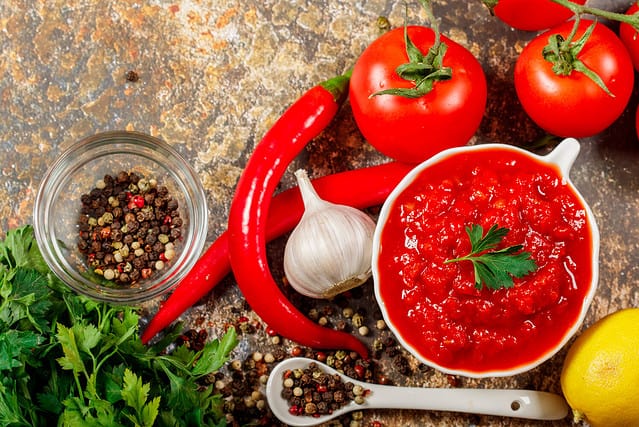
x=58 y=205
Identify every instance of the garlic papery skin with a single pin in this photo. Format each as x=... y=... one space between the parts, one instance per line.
x=330 y=250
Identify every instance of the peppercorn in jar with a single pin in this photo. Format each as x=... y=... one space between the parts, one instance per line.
x=128 y=228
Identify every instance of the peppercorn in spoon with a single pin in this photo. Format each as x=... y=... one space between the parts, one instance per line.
x=528 y=404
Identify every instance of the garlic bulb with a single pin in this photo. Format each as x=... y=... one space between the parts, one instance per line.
x=330 y=250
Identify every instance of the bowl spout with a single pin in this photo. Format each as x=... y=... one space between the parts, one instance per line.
x=564 y=155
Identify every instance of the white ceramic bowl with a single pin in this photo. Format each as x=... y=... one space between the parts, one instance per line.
x=562 y=159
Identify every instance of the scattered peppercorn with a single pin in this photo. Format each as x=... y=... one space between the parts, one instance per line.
x=132 y=76
x=120 y=232
x=383 y=24
x=242 y=383
x=357 y=320
x=193 y=339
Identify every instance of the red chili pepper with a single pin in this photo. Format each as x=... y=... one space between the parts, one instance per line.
x=247 y=225
x=359 y=188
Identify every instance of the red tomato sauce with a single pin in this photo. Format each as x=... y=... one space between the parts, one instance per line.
x=436 y=306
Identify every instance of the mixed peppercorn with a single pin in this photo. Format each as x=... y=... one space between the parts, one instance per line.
x=311 y=391
x=128 y=228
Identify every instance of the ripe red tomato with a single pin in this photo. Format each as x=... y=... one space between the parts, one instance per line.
x=630 y=37
x=574 y=105
x=533 y=15
x=413 y=129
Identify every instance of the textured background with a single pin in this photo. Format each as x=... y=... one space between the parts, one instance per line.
x=214 y=75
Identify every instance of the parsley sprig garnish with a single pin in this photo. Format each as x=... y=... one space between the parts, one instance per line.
x=495 y=269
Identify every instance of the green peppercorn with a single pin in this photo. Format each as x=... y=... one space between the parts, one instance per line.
x=143 y=185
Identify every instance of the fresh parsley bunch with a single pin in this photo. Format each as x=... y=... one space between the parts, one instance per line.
x=67 y=358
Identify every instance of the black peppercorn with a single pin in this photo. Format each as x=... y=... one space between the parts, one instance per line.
x=131 y=76
x=135 y=275
x=175 y=233
x=172 y=205
x=116 y=235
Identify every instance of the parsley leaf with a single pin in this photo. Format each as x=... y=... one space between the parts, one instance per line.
x=69 y=360
x=15 y=346
x=495 y=269
x=23 y=298
x=214 y=354
x=19 y=249
x=135 y=394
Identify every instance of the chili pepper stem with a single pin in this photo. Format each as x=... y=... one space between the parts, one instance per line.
x=338 y=86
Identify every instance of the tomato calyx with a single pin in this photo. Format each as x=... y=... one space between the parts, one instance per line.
x=422 y=70
x=563 y=54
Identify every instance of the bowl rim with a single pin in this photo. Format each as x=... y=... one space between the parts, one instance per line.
x=94 y=147
x=562 y=157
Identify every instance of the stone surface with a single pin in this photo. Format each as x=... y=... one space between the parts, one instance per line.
x=214 y=75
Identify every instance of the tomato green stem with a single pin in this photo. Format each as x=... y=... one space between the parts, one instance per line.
x=573 y=31
x=422 y=70
x=434 y=23
x=578 y=9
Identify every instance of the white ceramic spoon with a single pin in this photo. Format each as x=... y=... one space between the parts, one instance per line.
x=508 y=403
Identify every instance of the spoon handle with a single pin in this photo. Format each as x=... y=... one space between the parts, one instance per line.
x=509 y=403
